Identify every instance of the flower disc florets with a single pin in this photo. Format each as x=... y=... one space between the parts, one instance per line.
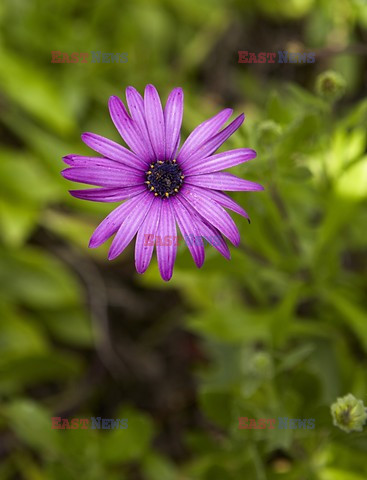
x=164 y=178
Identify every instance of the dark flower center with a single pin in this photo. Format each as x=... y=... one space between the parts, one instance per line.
x=164 y=178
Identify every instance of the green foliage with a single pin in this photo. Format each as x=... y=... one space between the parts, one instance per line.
x=282 y=326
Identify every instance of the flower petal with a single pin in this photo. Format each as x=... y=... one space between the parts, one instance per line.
x=220 y=161
x=173 y=119
x=144 y=244
x=108 y=194
x=223 y=181
x=213 y=143
x=155 y=121
x=188 y=227
x=210 y=233
x=212 y=212
x=113 y=221
x=174 y=155
x=113 y=150
x=214 y=237
x=226 y=202
x=82 y=161
x=135 y=103
x=130 y=226
x=166 y=252
x=128 y=129
x=104 y=177
x=202 y=133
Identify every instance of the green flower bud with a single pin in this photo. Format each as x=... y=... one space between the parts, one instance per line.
x=330 y=85
x=261 y=365
x=349 y=413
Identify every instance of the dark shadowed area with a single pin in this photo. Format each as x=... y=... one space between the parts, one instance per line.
x=278 y=332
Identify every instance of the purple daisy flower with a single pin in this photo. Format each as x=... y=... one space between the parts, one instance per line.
x=162 y=184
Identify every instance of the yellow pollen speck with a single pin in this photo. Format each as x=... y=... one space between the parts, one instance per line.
x=173 y=161
x=151 y=166
x=147 y=182
x=176 y=189
x=182 y=176
x=151 y=189
x=149 y=172
x=160 y=161
x=167 y=194
x=156 y=194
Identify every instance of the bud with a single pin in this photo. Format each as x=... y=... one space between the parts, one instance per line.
x=349 y=414
x=330 y=85
x=261 y=365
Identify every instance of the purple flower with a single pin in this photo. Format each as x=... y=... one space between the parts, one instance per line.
x=162 y=184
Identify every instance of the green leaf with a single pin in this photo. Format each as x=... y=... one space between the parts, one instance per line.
x=19 y=335
x=17 y=222
x=339 y=474
x=72 y=326
x=130 y=444
x=352 y=185
x=17 y=372
x=40 y=98
x=353 y=314
x=157 y=467
x=36 y=279
x=32 y=425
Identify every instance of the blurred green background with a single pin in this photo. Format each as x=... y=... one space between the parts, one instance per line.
x=279 y=331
